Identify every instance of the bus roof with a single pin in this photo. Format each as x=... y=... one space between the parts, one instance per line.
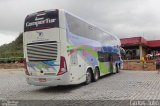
x=111 y=36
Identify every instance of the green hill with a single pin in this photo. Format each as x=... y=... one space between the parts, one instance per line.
x=13 y=50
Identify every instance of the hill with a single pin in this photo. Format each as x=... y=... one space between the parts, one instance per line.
x=13 y=50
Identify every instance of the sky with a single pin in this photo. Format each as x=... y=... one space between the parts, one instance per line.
x=124 y=18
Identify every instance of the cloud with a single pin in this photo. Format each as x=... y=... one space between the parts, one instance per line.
x=125 y=18
x=6 y=38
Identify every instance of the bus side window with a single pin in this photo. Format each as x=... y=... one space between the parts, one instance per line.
x=110 y=57
x=74 y=60
x=115 y=57
x=103 y=56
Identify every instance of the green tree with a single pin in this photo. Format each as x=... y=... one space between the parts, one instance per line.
x=13 y=49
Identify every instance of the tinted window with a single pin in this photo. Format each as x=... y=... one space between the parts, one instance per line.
x=41 y=20
x=103 y=57
x=80 y=27
x=115 y=57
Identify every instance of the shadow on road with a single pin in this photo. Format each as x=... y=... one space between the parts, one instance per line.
x=108 y=75
x=67 y=88
x=60 y=89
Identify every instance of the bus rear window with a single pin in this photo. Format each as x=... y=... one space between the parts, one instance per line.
x=41 y=20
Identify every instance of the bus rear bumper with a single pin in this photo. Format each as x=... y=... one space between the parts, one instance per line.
x=48 y=80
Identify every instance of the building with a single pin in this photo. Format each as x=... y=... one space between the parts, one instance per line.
x=137 y=47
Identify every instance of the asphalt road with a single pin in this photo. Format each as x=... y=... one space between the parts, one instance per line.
x=121 y=86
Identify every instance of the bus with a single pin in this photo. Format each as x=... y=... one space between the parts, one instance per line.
x=63 y=49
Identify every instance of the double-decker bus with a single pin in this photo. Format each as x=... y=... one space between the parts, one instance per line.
x=62 y=49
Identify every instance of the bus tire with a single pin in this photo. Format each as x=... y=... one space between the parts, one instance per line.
x=88 y=77
x=96 y=74
x=117 y=68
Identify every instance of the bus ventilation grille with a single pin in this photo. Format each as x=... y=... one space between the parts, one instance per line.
x=42 y=51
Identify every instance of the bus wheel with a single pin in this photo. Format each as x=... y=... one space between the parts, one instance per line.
x=117 y=68
x=88 y=77
x=96 y=74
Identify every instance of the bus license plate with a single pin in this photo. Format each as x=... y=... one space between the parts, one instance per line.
x=42 y=79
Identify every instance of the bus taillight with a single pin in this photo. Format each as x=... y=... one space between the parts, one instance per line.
x=63 y=66
x=25 y=65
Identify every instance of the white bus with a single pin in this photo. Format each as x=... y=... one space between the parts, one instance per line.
x=62 y=49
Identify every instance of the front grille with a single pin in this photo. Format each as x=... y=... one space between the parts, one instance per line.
x=42 y=51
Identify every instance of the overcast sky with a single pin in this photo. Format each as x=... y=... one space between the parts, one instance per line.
x=125 y=18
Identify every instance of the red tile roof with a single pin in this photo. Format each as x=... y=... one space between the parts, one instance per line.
x=154 y=43
x=140 y=40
